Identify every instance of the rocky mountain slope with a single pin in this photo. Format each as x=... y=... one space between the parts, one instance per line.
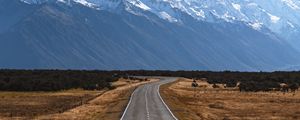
x=138 y=34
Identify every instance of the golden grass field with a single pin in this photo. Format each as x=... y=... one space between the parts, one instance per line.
x=207 y=103
x=68 y=105
x=27 y=105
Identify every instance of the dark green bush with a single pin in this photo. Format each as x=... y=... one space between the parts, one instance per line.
x=54 y=80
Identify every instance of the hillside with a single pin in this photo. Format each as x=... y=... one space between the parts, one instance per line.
x=55 y=35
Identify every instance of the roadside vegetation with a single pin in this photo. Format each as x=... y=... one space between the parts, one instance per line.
x=108 y=106
x=207 y=102
x=55 y=80
x=249 y=81
x=64 y=94
x=51 y=94
x=27 y=105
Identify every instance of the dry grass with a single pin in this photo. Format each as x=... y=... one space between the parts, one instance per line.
x=67 y=105
x=108 y=106
x=208 y=103
x=27 y=105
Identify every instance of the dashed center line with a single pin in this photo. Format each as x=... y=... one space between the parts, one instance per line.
x=147 y=109
x=138 y=109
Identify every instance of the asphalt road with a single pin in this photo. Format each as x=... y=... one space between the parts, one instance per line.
x=146 y=103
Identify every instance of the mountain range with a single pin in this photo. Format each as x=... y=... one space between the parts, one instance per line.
x=245 y=35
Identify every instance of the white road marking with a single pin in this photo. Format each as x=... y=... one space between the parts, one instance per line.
x=147 y=109
x=128 y=104
x=165 y=103
x=148 y=114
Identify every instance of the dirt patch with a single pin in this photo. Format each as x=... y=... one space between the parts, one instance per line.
x=228 y=103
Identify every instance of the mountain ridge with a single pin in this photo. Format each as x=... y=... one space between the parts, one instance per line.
x=281 y=16
x=59 y=36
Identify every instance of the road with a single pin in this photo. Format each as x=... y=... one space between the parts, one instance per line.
x=146 y=103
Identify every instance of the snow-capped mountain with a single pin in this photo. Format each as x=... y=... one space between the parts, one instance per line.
x=148 y=34
x=280 y=16
x=273 y=14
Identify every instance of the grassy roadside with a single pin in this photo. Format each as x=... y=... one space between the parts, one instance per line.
x=178 y=108
x=68 y=105
x=28 y=105
x=115 y=108
x=228 y=103
x=108 y=106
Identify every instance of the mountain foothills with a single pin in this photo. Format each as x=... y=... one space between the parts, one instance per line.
x=247 y=35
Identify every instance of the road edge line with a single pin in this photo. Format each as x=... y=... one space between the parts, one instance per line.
x=131 y=97
x=165 y=103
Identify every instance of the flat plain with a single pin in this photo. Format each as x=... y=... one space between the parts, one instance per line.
x=70 y=104
x=30 y=104
x=205 y=102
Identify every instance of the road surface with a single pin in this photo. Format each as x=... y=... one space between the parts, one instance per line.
x=146 y=103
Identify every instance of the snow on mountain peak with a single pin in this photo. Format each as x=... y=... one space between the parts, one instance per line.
x=256 y=25
x=34 y=1
x=290 y=24
x=168 y=17
x=236 y=6
x=274 y=14
x=139 y=4
x=274 y=18
x=199 y=13
x=86 y=3
x=291 y=4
